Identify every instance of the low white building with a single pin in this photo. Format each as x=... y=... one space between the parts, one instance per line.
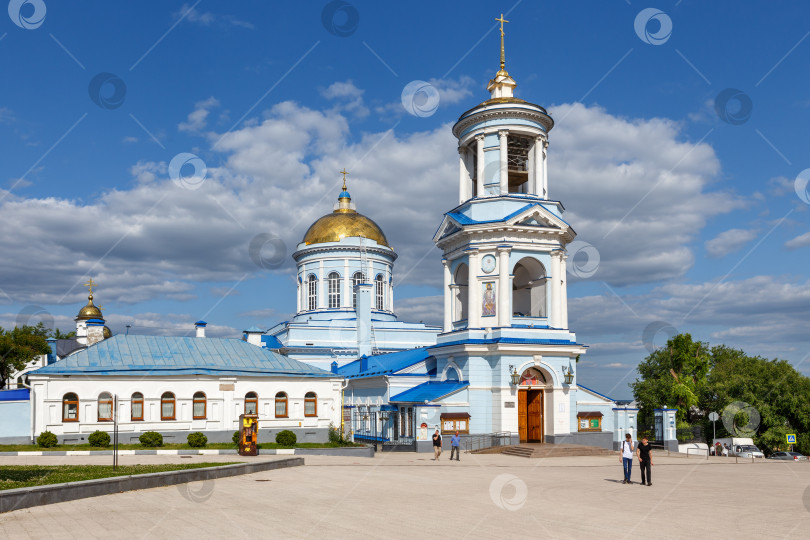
x=179 y=385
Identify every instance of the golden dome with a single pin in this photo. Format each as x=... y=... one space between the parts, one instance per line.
x=344 y=222
x=89 y=311
x=107 y=332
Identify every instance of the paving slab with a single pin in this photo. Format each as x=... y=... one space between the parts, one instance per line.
x=401 y=495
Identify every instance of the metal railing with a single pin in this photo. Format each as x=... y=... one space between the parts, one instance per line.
x=488 y=440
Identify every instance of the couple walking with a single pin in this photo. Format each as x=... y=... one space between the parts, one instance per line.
x=455 y=442
x=644 y=459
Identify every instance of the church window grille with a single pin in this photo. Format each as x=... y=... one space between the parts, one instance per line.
x=333 y=281
x=357 y=279
x=105 y=407
x=311 y=404
x=137 y=406
x=167 y=406
x=70 y=408
x=281 y=405
x=251 y=403
x=410 y=422
x=379 y=289
x=199 y=412
x=312 y=292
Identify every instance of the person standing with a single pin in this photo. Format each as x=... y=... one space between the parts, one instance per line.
x=627 y=457
x=645 y=461
x=437 y=445
x=455 y=442
x=725 y=450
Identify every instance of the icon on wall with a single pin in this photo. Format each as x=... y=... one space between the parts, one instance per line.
x=488 y=304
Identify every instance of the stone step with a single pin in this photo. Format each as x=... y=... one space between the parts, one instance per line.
x=552 y=450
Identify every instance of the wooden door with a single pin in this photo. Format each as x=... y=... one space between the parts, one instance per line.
x=522 y=416
x=535 y=415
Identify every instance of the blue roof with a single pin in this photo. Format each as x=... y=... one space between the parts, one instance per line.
x=466 y=220
x=163 y=355
x=254 y=329
x=18 y=394
x=384 y=364
x=429 y=391
x=271 y=342
x=200 y=323
x=597 y=393
x=519 y=341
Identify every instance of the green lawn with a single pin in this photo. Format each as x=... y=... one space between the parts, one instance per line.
x=211 y=446
x=18 y=476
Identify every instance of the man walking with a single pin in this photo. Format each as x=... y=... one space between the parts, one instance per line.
x=437 y=445
x=627 y=458
x=455 y=441
x=645 y=461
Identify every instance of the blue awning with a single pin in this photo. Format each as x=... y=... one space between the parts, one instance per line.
x=429 y=391
x=18 y=394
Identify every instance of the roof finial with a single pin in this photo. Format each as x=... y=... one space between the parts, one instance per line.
x=90 y=284
x=503 y=54
x=344 y=173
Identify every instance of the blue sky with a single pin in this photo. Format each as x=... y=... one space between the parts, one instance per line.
x=688 y=199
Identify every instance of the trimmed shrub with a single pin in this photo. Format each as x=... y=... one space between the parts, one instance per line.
x=47 y=439
x=286 y=438
x=197 y=440
x=236 y=438
x=151 y=439
x=99 y=438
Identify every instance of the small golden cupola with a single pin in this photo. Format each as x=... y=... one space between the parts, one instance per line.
x=344 y=222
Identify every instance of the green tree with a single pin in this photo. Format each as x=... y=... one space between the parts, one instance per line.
x=673 y=376
x=57 y=334
x=19 y=346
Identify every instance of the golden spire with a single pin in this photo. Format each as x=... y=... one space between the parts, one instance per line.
x=344 y=173
x=503 y=54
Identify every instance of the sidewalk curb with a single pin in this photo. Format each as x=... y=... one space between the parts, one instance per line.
x=17 y=499
x=358 y=451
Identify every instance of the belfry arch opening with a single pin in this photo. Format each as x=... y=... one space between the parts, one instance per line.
x=529 y=288
x=461 y=281
x=517 y=156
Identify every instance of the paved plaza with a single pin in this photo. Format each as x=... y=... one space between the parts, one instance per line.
x=405 y=495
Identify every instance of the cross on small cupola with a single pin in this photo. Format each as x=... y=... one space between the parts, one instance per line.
x=502 y=85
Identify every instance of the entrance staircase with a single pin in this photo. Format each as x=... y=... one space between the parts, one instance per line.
x=541 y=450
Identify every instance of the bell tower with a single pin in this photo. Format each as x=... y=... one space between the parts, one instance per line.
x=504 y=258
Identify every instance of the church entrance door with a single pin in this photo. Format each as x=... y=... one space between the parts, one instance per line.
x=530 y=415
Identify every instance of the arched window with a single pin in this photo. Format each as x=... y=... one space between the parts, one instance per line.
x=333 y=281
x=529 y=288
x=460 y=281
x=136 y=411
x=379 y=291
x=105 y=407
x=357 y=279
x=311 y=404
x=167 y=406
x=70 y=408
x=281 y=405
x=251 y=403
x=198 y=411
x=312 y=292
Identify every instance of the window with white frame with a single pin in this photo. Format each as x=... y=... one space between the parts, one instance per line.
x=379 y=291
x=333 y=281
x=312 y=292
x=357 y=279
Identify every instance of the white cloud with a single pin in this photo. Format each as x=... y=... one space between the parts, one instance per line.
x=197 y=119
x=206 y=18
x=428 y=309
x=729 y=241
x=130 y=139
x=348 y=98
x=803 y=240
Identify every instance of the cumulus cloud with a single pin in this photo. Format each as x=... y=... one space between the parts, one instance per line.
x=348 y=98
x=729 y=241
x=207 y=18
x=803 y=240
x=197 y=119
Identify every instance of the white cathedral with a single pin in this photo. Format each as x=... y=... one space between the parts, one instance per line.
x=503 y=361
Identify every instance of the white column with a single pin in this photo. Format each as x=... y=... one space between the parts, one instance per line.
x=479 y=151
x=390 y=290
x=504 y=161
x=539 y=165
x=321 y=299
x=346 y=293
x=464 y=187
x=298 y=296
x=504 y=289
x=563 y=291
x=531 y=183
x=474 y=293
x=554 y=316
x=469 y=158
x=448 y=297
x=544 y=159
